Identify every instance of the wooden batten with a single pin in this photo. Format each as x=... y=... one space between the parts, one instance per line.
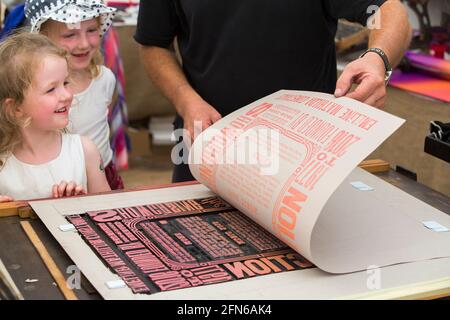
x=9 y=209
x=375 y=166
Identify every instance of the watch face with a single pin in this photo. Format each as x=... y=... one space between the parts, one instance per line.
x=387 y=76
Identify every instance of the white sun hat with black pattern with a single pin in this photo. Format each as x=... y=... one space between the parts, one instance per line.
x=68 y=11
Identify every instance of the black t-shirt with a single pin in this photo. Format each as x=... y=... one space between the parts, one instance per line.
x=237 y=51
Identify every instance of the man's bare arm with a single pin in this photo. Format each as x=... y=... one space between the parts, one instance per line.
x=393 y=37
x=167 y=75
x=394 y=34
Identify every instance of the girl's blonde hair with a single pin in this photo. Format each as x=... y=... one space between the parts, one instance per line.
x=97 y=58
x=20 y=55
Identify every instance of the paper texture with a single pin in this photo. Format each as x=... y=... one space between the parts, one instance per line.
x=303 y=284
x=358 y=229
x=303 y=145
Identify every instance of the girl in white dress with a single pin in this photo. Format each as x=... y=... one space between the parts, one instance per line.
x=38 y=160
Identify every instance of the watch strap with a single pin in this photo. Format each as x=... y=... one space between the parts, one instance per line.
x=383 y=56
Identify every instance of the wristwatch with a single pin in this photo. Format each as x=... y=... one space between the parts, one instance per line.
x=387 y=65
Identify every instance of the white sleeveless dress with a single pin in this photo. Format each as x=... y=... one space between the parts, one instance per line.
x=89 y=112
x=23 y=181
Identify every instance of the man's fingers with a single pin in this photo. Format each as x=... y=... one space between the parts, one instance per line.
x=206 y=123
x=193 y=129
x=200 y=125
x=365 y=89
x=198 y=120
x=345 y=82
x=216 y=117
x=188 y=134
x=380 y=103
x=377 y=97
x=376 y=94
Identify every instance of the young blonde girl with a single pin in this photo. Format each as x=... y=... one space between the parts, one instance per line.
x=38 y=160
x=77 y=26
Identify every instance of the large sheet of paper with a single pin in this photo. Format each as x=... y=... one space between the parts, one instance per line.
x=280 y=159
x=287 y=162
x=310 y=283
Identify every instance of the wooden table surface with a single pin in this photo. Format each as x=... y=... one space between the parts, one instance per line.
x=23 y=262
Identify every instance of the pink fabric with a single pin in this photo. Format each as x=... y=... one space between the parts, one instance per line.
x=113 y=177
x=118 y=116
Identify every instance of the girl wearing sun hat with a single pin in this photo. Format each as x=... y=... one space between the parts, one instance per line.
x=68 y=11
x=77 y=26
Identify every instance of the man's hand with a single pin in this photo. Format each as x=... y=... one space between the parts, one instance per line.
x=392 y=36
x=5 y=198
x=199 y=111
x=368 y=73
x=65 y=189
